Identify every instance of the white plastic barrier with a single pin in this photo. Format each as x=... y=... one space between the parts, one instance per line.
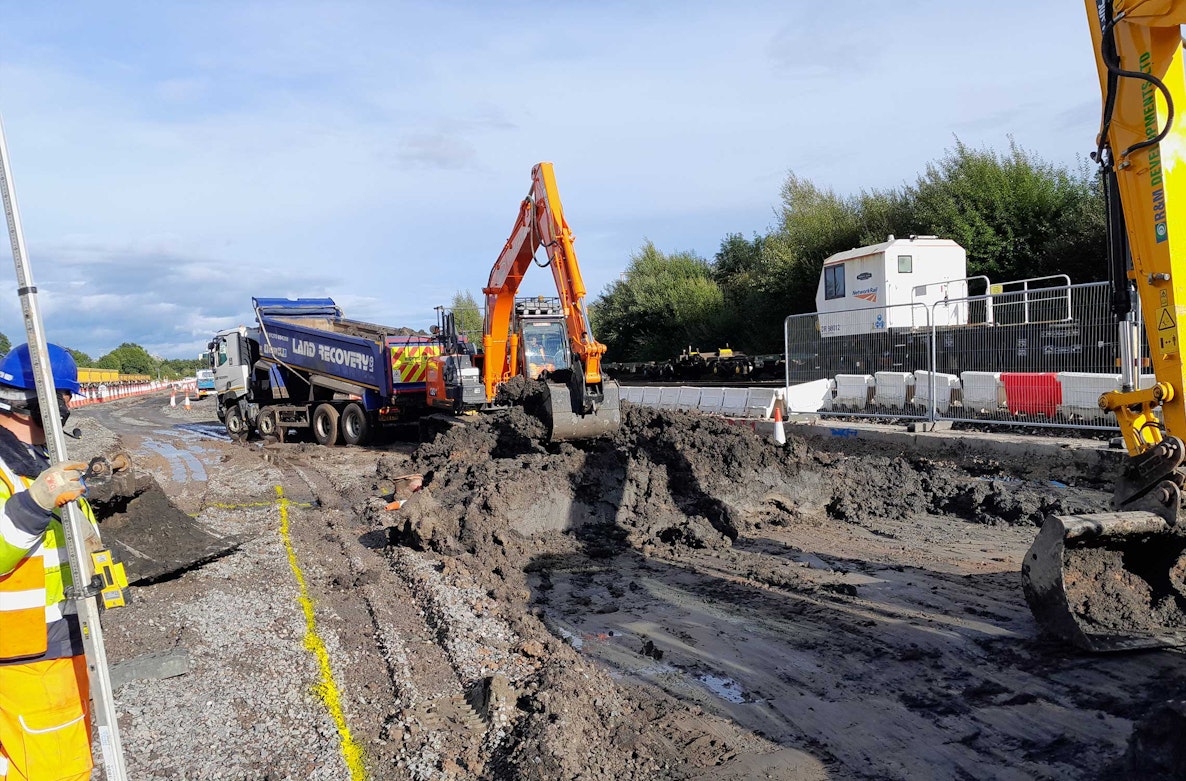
x=892 y=388
x=668 y=398
x=810 y=396
x=852 y=390
x=688 y=399
x=1081 y=393
x=760 y=403
x=983 y=392
x=733 y=403
x=632 y=394
x=945 y=384
x=650 y=396
x=711 y=400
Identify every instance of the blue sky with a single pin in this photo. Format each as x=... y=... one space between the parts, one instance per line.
x=172 y=160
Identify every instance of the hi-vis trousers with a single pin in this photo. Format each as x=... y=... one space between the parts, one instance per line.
x=45 y=730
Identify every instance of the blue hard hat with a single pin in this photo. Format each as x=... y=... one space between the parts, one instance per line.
x=16 y=369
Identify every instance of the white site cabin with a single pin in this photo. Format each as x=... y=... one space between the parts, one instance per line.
x=894 y=284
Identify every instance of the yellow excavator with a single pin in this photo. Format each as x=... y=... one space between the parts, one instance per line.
x=1117 y=581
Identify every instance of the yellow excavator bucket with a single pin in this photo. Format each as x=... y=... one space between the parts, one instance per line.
x=1109 y=581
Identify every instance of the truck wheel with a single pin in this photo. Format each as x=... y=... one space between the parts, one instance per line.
x=325 y=424
x=356 y=429
x=268 y=423
x=236 y=427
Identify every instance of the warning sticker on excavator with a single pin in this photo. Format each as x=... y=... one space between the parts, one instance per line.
x=1165 y=321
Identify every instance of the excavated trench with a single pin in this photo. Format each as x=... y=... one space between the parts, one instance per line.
x=681 y=480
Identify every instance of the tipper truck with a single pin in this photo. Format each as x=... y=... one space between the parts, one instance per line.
x=305 y=366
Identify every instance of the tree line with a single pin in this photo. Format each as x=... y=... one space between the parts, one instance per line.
x=1016 y=215
x=129 y=358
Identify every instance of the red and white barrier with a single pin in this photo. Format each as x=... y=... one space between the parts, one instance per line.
x=101 y=392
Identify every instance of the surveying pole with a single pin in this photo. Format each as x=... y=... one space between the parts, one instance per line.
x=83 y=593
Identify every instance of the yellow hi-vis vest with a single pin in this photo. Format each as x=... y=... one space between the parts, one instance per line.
x=32 y=596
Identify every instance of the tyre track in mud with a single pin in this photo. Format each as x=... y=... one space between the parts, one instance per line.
x=413 y=714
x=384 y=663
x=883 y=670
x=242 y=485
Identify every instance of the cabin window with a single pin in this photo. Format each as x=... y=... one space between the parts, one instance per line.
x=905 y=264
x=834 y=281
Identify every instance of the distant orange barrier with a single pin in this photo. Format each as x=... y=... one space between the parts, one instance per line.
x=97 y=393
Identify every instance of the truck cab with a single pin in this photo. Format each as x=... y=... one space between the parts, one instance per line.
x=205 y=382
x=231 y=360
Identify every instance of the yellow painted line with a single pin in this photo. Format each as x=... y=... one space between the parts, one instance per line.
x=326 y=690
x=221 y=506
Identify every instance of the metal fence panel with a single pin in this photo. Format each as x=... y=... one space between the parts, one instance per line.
x=1044 y=358
x=858 y=343
x=1034 y=352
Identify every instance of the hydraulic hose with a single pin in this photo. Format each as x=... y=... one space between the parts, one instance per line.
x=1111 y=60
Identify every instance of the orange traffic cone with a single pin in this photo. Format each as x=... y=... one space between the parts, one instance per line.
x=173 y=399
x=187 y=406
x=780 y=433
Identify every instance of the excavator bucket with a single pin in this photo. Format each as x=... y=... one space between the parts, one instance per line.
x=566 y=423
x=1109 y=581
x=150 y=535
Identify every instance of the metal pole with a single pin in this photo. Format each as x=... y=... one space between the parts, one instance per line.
x=82 y=594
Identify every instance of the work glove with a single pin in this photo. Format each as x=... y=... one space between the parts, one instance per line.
x=59 y=484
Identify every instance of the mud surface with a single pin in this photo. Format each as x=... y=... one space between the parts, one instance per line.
x=1124 y=586
x=685 y=600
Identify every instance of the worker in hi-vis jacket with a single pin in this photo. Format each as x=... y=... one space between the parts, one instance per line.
x=44 y=699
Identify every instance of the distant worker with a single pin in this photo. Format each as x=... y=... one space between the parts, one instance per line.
x=536 y=359
x=44 y=687
x=557 y=355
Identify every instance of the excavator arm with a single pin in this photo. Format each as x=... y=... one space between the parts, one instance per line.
x=1117 y=581
x=575 y=410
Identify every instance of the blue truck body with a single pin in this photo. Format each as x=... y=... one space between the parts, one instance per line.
x=305 y=367
x=312 y=336
x=204 y=382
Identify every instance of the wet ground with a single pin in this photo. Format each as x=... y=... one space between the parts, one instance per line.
x=686 y=600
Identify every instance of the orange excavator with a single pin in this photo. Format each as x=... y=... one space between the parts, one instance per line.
x=546 y=341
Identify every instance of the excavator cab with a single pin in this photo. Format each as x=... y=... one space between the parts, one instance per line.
x=574 y=409
x=545 y=347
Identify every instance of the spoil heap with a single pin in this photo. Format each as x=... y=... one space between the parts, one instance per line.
x=675 y=479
